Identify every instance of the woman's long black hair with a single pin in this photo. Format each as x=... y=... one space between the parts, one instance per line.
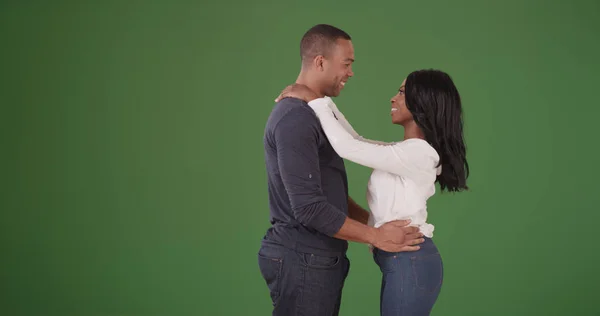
x=434 y=101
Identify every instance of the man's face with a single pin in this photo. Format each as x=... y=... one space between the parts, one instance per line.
x=337 y=68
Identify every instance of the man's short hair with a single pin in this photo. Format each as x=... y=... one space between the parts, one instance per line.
x=319 y=40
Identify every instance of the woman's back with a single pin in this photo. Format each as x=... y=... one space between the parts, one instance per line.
x=392 y=196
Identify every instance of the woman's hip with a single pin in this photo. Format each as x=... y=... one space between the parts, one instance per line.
x=425 y=260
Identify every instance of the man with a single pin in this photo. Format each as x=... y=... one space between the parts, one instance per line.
x=303 y=254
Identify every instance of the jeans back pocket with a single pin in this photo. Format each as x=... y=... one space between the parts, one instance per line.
x=270 y=269
x=318 y=261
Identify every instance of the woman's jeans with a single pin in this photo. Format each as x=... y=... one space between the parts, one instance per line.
x=411 y=280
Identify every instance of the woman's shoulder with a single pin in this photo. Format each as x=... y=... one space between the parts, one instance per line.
x=419 y=147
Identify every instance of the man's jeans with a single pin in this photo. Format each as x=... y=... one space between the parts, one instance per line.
x=303 y=283
x=411 y=281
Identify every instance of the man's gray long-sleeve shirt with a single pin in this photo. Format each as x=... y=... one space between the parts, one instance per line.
x=307 y=181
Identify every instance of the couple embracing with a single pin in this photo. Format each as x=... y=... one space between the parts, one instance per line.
x=302 y=256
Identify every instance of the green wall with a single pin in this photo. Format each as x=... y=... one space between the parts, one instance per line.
x=133 y=179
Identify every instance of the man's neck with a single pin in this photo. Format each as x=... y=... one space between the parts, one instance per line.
x=306 y=79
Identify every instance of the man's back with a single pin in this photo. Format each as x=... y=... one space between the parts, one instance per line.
x=307 y=182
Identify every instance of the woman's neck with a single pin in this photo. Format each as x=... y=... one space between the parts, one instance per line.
x=411 y=130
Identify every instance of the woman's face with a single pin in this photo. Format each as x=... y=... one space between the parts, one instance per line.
x=400 y=113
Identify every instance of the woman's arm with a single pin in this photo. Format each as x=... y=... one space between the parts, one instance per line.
x=347 y=126
x=401 y=158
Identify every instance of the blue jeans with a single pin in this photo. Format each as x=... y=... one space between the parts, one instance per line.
x=303 y=283
x=411 y=281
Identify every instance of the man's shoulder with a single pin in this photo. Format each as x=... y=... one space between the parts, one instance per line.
x=291 y=105
x=292 y=111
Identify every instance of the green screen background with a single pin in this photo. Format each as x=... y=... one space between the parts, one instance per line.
x=133 y=180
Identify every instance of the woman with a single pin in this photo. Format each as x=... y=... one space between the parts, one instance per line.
x=428 y=107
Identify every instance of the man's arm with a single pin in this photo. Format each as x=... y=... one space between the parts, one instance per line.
x=296 y=138
x=356 y=212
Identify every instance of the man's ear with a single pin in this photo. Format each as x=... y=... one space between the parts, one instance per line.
x=319 y=62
